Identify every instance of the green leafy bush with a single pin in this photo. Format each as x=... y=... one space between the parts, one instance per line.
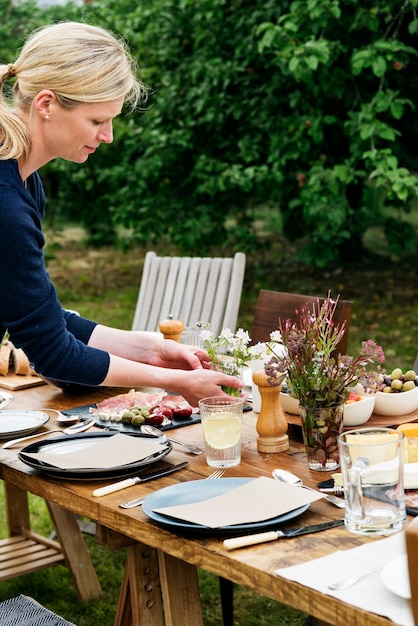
x=306 y=106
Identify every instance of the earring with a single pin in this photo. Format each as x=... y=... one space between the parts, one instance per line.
x=47 y=117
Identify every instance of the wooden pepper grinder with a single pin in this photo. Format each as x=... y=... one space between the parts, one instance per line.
x=271 y=423
x=171 y=328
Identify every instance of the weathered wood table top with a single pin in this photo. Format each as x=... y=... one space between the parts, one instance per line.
x=253 y=567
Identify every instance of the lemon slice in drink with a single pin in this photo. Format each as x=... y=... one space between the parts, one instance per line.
x=222 y=432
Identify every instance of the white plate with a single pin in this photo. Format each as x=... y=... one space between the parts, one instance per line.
x=15 y=423
x=395 y=577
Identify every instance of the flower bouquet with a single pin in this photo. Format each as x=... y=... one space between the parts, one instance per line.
x=229 y=352
x=319 y=377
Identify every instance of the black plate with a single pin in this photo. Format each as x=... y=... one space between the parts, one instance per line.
x=198 y=490
x=130 y=469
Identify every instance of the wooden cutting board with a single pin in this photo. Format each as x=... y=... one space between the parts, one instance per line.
x=14 y=382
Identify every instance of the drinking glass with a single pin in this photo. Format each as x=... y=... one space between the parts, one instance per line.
x=372 y=465
x=221 y=419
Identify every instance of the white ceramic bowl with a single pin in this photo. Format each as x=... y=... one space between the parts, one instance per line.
x=357 y=413
x=289 y=404
x=396 y=403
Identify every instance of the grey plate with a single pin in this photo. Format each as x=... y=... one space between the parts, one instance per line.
x=16 y=423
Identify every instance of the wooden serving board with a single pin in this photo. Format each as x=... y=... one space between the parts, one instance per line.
x=380 y=421
x=14 y=382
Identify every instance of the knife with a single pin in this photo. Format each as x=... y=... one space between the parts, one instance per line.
x=135 y=480
x=272 y=535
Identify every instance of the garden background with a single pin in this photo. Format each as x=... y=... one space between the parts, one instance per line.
x=283 y=129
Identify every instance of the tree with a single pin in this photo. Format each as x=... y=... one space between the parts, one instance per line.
x=304 y=106
x=345 y=135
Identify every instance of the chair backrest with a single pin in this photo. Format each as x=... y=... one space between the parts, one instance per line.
x=273 y=305
x=191 y=289
x=411 y=539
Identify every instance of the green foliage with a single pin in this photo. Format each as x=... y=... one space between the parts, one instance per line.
x=347 y=68
x=305 y=106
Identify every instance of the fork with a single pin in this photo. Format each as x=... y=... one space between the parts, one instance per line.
x=138 y=501
x=216 y=474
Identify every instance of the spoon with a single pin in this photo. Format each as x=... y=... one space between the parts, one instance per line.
x=151 y=430
x=61 y=417
x=71 y=430
x=68 y=419
x=292 y=479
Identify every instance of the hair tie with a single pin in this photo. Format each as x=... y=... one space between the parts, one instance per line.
x=11 y=72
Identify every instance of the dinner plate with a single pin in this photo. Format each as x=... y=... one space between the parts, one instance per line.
x=73 y=443
x=20 y=423
x=198 y=490
x=395 y=577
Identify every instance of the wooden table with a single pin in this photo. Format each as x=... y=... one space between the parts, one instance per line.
x=161 y=564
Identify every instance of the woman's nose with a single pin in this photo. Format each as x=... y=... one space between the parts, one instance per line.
x=106 y=133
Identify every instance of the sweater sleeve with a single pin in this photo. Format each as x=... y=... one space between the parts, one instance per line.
x=53 y=340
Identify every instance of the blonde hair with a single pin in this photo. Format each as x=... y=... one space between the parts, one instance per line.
x=80 y=63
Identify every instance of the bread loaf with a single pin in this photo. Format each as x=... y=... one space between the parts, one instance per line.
x=5 y=354
x=19 y=362
x=14 y=361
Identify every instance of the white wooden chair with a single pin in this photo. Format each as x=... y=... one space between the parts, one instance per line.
x=190 y=289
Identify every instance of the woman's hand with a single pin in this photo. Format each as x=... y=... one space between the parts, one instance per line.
x=169 y=353
x=202 y=383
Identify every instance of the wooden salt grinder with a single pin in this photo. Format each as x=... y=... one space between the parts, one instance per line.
x=171 y=328
x=271 y=423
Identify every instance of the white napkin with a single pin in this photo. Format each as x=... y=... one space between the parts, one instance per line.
x=369 y=594
x=102 y=453
x=257 y=500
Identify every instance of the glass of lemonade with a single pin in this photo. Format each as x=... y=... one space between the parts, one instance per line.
x=221 y=419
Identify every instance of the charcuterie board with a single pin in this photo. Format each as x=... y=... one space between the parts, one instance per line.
x=14 y=382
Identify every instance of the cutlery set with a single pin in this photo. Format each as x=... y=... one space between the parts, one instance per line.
x=272 y=535
x=135 y=480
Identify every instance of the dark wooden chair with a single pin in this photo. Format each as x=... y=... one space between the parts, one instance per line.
x=273 y=305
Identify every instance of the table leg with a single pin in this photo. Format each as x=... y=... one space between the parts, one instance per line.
x=17 y=508
x=140 y=602
x=180 y=589
x=75 y=551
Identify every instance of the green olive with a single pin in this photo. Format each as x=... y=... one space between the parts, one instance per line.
x=138 y=420
x=396 y=374
x=396 y=384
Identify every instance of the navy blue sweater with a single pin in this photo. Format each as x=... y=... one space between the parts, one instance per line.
x=54 y=340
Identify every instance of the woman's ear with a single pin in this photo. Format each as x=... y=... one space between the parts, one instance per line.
x=42 y=103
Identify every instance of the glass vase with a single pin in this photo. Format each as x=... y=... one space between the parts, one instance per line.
x=227 y=365
x=321 y=427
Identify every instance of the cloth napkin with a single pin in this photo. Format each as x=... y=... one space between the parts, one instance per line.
x=257 y=500
x=102 y=453
x=369 y=594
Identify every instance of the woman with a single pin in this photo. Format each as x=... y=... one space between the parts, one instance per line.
x=70 y=81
